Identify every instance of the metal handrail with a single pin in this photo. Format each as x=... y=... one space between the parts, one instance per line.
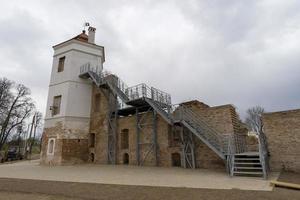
x=195 y=120
x=132 y=93
x=263 y=153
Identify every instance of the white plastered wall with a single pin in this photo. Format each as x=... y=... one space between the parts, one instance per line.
x=76 y=92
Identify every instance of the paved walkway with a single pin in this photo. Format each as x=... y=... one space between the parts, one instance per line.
x=134 y=175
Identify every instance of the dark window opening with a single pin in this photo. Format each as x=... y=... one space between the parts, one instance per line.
x=176 y=160
x=125 y=159
x=92 y=157
x=124 y=139
x=61 y=64
x=97 y=103
x=92 y=140
x=174 y=136
x=51 y=146
x=56 y=105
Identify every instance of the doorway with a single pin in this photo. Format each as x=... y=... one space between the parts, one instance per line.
x=125 y=159
x=176 y=160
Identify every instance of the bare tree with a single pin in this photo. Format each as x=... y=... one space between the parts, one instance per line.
x=5 y=97
x=254 y=119
x=18 y=106
x=36 y=122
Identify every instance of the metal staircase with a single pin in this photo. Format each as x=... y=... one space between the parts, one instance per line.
x=241 y=162
x=247 y=164
x=161 y=103
x=202 y=130
x=223 y=145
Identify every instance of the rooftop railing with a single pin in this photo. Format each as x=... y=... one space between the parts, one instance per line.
x=132 y=93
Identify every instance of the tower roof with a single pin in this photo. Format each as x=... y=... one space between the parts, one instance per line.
x=82 y=37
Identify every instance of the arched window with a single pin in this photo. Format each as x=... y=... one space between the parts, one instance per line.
x=51 y=145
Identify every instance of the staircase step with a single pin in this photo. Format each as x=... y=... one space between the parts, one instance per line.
x=247 y=163
x=247 y=158
x=252 y=173
x=236 y=167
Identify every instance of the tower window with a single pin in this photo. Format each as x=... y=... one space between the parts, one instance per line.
x=124 y=139
x=56 y=105
x=61 y=64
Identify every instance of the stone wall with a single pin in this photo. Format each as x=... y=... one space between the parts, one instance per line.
x=282 y=130
x=224 y=120
x=99 y=126
x=70 y=147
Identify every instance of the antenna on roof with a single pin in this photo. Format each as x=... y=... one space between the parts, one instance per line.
x=85 y=24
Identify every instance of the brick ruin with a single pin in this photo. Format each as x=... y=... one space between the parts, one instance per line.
x=85 y=123
x=282 y=130
x=93 y=147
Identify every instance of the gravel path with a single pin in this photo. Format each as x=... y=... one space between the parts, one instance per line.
x=39 y=189
x=134 y=175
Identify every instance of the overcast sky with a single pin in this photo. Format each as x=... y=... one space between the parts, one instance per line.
x=237 y=52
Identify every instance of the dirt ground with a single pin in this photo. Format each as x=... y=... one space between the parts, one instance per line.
x=30 y=196
x=46 y=190
x=290 y=177
x=135 y=175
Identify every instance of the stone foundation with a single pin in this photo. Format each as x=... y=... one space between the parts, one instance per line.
x=70 y=145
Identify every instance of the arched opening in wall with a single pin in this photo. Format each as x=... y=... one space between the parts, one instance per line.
x=125 y=159
x=124 y=139
x=92 y=157
x=51 y=144
x=92 y=140
x=176 y=160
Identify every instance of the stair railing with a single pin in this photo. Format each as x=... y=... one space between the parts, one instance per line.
x=263 y=153
x=132 y=93
x=196 y=121
x=231 y=151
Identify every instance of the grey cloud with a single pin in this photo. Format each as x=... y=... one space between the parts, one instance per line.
x=240 y=52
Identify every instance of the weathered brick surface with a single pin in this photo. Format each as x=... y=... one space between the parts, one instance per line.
x=282 y=130
x=67 y=150
x=99 y=126
x=72 y=150
x=222 y=118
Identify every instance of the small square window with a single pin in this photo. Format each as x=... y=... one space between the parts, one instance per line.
x=61 y=64
x=56 y=105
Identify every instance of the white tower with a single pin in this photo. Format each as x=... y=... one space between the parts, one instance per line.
x=69 y=100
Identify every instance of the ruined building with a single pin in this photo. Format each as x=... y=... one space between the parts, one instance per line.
x=93 y=116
